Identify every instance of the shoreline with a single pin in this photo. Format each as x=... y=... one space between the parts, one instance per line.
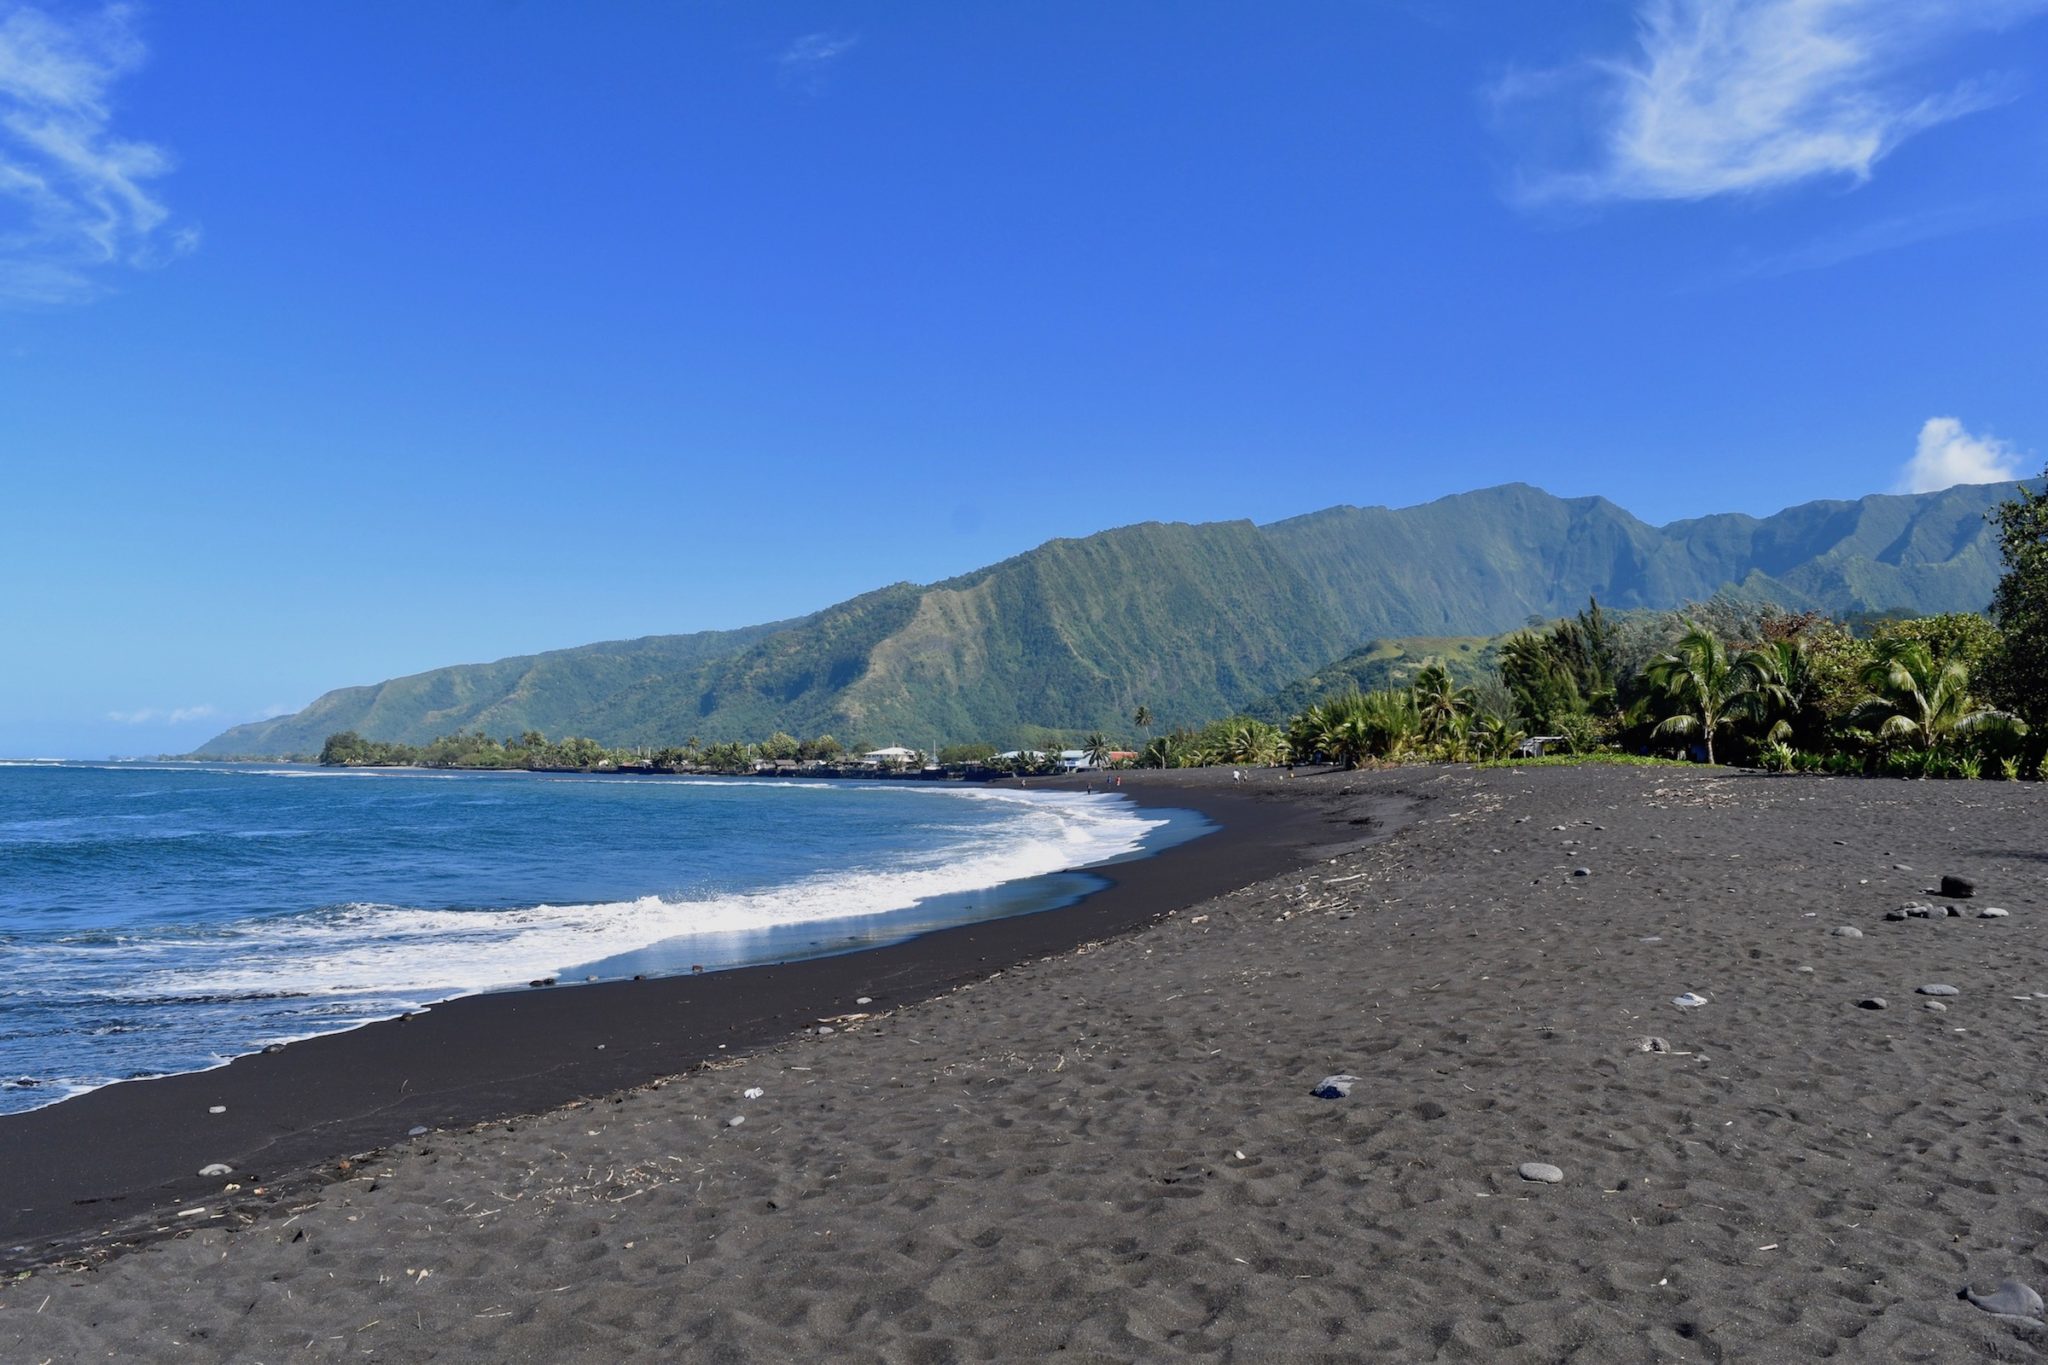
x=93 y=1172
x=1643 y=1064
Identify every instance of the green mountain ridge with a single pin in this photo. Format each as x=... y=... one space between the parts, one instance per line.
x=1193 y=621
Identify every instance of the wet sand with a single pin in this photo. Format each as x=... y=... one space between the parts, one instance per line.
x=80 y=1173
x=1111 y=1152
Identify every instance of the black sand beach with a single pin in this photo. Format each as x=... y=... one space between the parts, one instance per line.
x=1111 y=1153
x=86 y=1169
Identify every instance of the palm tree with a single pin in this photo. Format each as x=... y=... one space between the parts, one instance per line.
x=1358 y=726
x=1702 y=683
x=1777 y=681
x=1142 y=718
x=1097 y=747
x=1923 y=704
x=1494 y=735
x=1245 y=740
x=1441 y=705
x=1165 y=751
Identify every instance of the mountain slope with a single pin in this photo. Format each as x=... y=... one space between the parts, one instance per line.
x=554 y=692
x=1190 y=620
x=1483 y=562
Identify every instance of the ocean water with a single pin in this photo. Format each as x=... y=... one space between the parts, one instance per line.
x=166 y=918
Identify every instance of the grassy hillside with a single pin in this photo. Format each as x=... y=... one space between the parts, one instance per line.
x=1192 y=621
x=1382 y=663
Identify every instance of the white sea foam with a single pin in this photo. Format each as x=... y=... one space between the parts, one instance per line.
x=437 y=953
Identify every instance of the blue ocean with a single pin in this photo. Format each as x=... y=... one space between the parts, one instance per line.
x=166 y=918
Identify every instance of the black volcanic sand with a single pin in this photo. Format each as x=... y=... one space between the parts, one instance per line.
x=79 y=1174
x=1112 y=1153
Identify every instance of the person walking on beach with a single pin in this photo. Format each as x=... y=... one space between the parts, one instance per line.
x=1236 y=775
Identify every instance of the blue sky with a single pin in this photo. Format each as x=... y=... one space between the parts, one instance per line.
x=339 y=341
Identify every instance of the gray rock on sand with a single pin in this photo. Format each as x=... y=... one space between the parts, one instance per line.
x=1846 y=931
x=1334 y=1087
x=1691 y=1000
x=1992 y=912
x=1959 y=889
x=2011 y=1299
x=1652 y=1044
x=1937 y=1007
x=1897 y=914
x=1541 y=1172
x=1582 y=872
x=217 y=1168
x=1937 y=988
x=736 y=1120
x=1871 y=1002
x=418 y=1130
x=1921 y=912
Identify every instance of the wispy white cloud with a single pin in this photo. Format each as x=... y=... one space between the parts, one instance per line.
x=1739 y=96
x=806 y=61
x=1888 y=234
x=1948 y=455
x=164 y=715
x=74 y=196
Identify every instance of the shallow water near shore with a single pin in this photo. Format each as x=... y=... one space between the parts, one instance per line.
x=165 y=918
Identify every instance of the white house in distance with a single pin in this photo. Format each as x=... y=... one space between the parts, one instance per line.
x=1073 y=760
x=895 y=756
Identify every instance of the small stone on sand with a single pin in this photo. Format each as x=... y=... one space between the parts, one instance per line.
x=736 y=1120
x=1652 y=1044
x=1803 y=970
x=753 y=1092
x=217 y=1168
x=1582 y=872
x=1992 y=912
x=1847 y=931
x=1921 y=912
x=1959 y=889
x=1937 y=988
x=1540 y=1171
x=2011 y=1300
x=865 y=1000
x=417 y=1130
x=1691 y=1000
x=1871 y=1002
x=217 y=1109
x=1937 y=1007
x=1333 y=1087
